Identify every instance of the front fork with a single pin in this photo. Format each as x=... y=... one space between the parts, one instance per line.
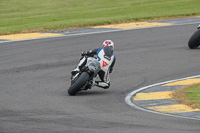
x=90 y=83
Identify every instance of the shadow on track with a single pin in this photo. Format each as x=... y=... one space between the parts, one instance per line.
x=92 y=93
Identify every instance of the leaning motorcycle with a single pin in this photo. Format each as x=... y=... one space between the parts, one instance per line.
x=194 y=40
x=85 y=79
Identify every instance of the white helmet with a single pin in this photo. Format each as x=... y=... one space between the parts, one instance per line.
x=108 y=43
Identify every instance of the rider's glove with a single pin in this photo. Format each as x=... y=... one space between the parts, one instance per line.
x=84 y=53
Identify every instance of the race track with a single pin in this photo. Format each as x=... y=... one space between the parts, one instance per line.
x=35 y=75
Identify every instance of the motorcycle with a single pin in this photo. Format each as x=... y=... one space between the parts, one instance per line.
x=194 y=40
x=85 y=79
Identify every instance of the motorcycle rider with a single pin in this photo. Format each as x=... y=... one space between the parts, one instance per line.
x=107 y=60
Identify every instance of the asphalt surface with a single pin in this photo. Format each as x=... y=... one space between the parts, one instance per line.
x=35 y=76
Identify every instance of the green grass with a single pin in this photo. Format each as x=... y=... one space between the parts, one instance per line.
x=193 y=93
x=189 y=95
x=28 y=15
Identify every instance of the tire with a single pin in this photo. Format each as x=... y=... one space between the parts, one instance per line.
x=79 y=83
x=194 y=40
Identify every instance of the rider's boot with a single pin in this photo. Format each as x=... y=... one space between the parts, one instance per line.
x=102 y=84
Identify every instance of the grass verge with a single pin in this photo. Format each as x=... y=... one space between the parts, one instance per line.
x=189 y=95
x=41 y=15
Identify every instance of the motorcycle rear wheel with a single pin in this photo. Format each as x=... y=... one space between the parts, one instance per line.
x=194 y=40
x=78 y=84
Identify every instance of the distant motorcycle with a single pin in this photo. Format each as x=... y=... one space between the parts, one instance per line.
x=194 y=41
x=85 y=79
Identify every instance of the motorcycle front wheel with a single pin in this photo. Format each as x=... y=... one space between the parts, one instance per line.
x=78 y=84
x=194 y=40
